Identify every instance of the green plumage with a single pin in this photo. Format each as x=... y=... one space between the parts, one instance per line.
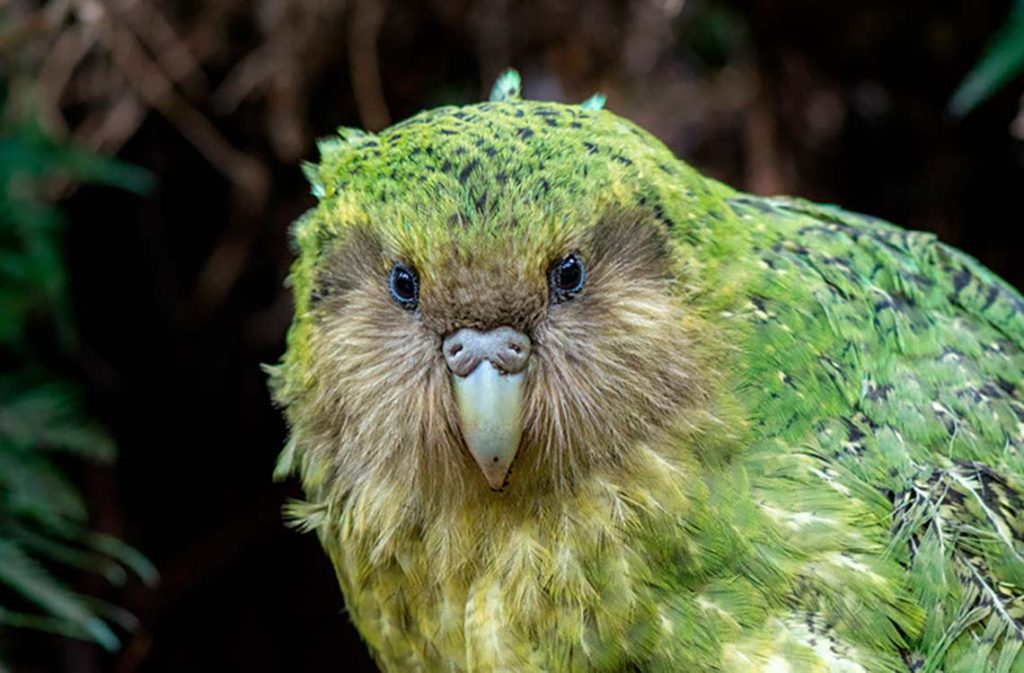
x=796 y=439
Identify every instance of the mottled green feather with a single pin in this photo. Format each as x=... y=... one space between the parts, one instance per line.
x=908 y=374
x=843 y=494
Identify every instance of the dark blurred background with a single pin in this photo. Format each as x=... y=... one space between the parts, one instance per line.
x=178 y=295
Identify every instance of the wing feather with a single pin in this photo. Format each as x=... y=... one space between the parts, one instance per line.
x=900 y=361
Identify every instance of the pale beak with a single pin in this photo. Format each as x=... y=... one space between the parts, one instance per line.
x=488 y=380
x=490 y=406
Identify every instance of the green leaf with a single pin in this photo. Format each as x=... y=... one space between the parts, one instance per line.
x=43 y=519
x=49 y=624
x=23 y=575
x=48 y=415
x=32 y=487
x=113 y=613
x=1002 y=61
x=102 y=170
x=30 y=152
x=125 y=554
x=60 y=552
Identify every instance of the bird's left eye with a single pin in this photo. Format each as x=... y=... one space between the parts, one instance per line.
x=405 y=286
x=567 y=277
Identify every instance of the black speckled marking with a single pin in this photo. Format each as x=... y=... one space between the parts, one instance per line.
x=467 y=170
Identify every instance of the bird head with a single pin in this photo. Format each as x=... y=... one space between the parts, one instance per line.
x=494 y=298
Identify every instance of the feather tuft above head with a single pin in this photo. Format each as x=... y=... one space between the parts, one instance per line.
x=507 y=88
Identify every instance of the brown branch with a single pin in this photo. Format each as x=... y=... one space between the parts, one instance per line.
x=162 y=40
x=1017 y=125
x=205 y=36
x=248 y=76
x=109 y=129
x=364 y=64
x=490 y=22
x=251 y=178
x=148 y=79
x=767 y=170
x=37 y=24
x=67 y=52
x=223 y=266
x=286 y=118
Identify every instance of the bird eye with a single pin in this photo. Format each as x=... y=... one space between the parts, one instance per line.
x=567 y=277
x=405 y=286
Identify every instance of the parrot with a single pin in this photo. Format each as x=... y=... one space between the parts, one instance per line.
x=558 y=402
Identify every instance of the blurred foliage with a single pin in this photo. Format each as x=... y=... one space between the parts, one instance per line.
x=1002 y=61
x=44 y=529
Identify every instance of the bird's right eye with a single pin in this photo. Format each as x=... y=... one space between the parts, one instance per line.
x=405 y=286
x=566 y=278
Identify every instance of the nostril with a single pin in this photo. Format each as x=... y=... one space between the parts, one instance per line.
x=504 y=347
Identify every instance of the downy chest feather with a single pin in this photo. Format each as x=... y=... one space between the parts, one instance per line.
x=630 y=570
